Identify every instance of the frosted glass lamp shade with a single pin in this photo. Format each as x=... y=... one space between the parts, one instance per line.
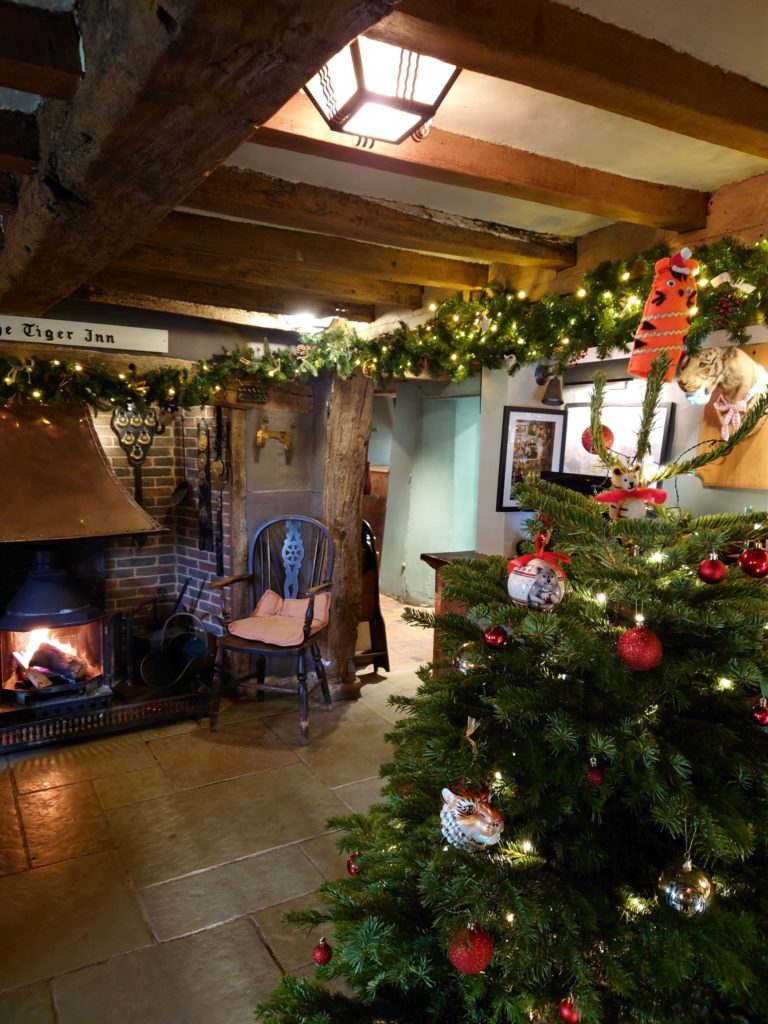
x=378 y=91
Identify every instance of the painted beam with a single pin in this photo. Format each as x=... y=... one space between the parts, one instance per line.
x=219 y=237
x=243 y=273
x=112 y=287
x=488 y=167
x=235 y=192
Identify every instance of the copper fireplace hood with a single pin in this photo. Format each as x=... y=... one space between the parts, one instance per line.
x=56 y=481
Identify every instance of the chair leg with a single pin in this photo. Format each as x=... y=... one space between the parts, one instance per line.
x=320 y=670
x=213 y=705
x=261 y=666
x=301 y=675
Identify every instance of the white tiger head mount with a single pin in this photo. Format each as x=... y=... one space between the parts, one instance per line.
x=467 y=819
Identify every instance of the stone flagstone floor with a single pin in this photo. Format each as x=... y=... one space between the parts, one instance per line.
x=143 y=875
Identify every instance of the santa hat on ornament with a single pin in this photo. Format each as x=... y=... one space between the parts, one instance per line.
x=679 y=264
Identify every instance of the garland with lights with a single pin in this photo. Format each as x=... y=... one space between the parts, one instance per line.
x=494 y=328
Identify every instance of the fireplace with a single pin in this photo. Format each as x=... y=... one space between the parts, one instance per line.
x=64 y=641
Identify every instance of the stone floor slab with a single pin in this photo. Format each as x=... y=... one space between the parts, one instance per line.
x=203 y=828
x=63 y=916
x=290 y=947
x=325 y=855
x=360 y=795
x=213 y=977
x=13 y=856
x=233 y=890
x=345 y=746
x=29 y=1005
x=197 y=759
x=133 y=787
x=94 y=759
x=64 y=823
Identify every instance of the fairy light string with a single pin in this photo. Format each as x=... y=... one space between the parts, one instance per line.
x=493 y=328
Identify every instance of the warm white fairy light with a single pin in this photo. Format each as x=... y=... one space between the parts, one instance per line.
x=521 y=294
x=526 y=846
x=432 y=307
x=498 y=776
x=639 y=618
x=581 y=293
x=509 y=917
x=725 y=683
x=657 y=556
x=625 y=276
x=601 y=598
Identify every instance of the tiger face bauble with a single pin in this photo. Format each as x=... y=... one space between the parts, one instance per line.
x=467 y=819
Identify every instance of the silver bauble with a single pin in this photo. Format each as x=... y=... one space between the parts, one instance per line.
x=468 y=658
x=685 y=888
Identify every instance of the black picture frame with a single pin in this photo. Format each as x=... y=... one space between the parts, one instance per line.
x=532 y=441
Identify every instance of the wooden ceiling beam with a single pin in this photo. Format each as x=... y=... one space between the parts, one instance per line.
x=8 y=194
x=485 y=166
x=219 y=237
x=234 y=192
x=559 y=50
x=116 y=287
x=141 y=133
x=39 y=50
x=18 y=142
x=246 y=273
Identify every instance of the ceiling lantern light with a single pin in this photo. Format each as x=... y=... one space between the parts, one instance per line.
x=378 y=91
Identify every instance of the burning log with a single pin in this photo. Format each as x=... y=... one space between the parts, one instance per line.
x=70 y=666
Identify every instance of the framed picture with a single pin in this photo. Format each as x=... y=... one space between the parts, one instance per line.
x=623 y=421
x=532 y=441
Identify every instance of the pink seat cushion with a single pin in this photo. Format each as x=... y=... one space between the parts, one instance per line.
x=280 y=621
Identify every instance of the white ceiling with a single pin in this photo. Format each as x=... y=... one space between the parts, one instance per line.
x=733 y=36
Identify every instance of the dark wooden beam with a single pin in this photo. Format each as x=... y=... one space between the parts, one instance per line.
x=225 y=270
x=39 y=50
x=18 y=142
x=239 y=193
x=560 y=50
x=8 y=194
x=301 y=249
x=142 y=132
x=485 y=166
x=109 y=285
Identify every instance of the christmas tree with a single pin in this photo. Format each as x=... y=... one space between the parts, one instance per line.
x=575 y=820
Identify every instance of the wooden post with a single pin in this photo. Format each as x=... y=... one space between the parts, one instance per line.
x=349 y=426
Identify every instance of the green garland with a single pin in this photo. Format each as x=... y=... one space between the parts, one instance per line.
x=495 y=328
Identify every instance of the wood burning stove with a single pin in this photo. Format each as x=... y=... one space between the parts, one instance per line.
x=53 y=639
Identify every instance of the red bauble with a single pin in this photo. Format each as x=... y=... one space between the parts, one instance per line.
x=353 y=868
x=495 y=636
x=712 y=570
x=322 y=953
x=593 y=775
x=471 y=949
x=568 y=1011
x=754 y=562
x=760 y=712
x=586 y=439
x=639 y=649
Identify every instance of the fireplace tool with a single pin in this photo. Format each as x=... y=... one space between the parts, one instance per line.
x=182 y=655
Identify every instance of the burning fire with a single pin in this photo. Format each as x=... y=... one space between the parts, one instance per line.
x=36 y=637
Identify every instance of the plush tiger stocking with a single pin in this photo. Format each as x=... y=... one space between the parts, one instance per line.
x=664 y=323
